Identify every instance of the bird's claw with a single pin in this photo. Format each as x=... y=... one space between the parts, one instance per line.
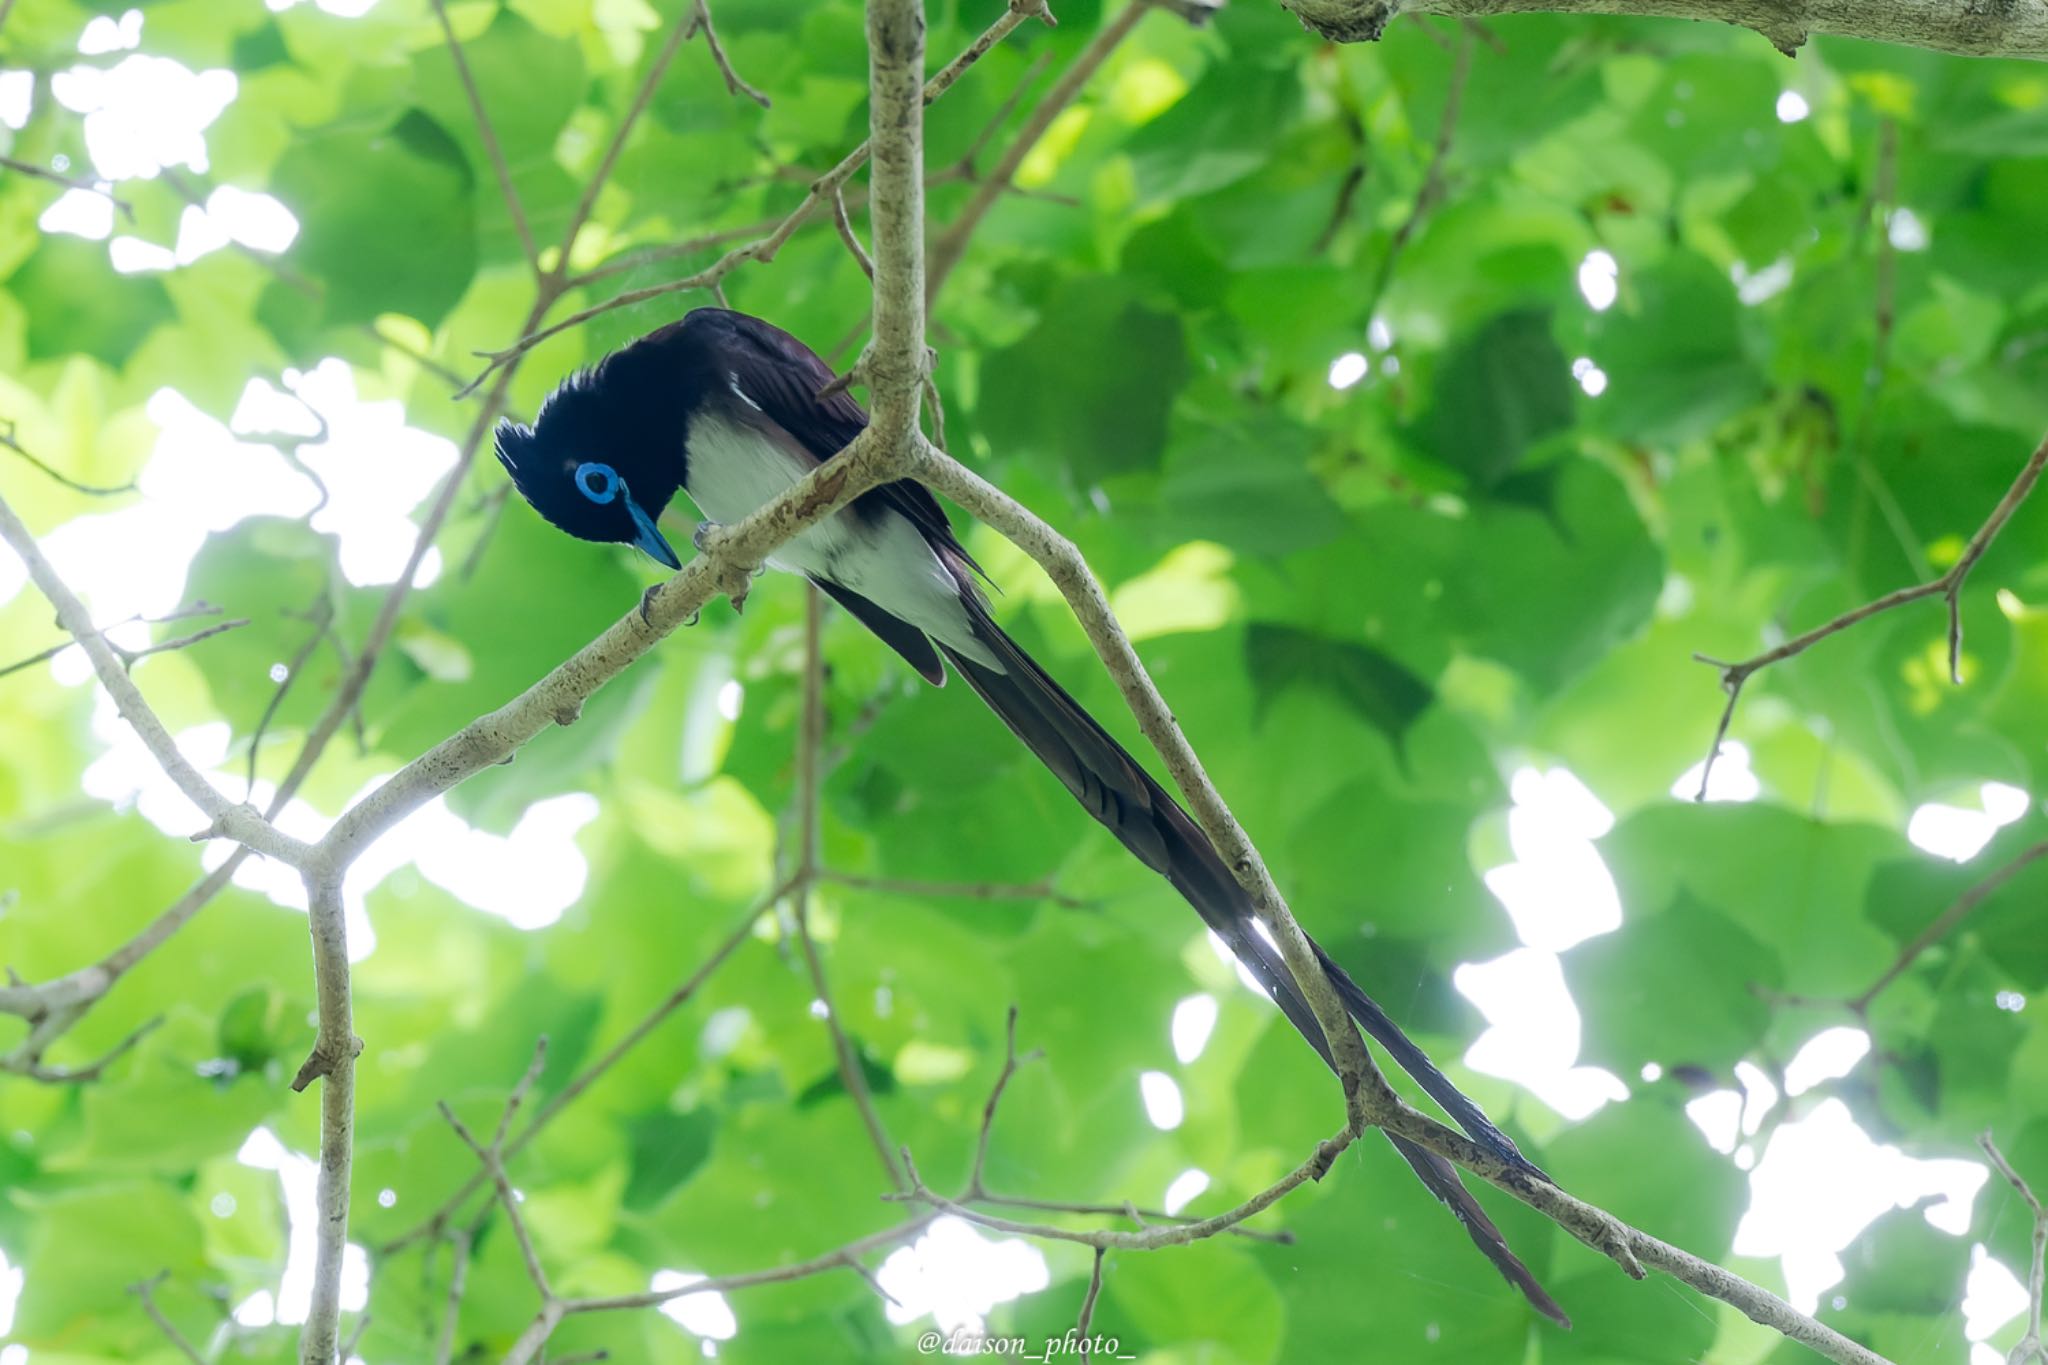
x=647 y=604
x=703 y=533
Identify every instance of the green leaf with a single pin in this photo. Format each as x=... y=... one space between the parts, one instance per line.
x=75 y=304
x=1497 y=395
x=1686 y=951
x=1058 y=400
x=531 y=83
x=1670 y=383
x=1792 y=884
x=1218 y=133
x=387 y=214
x=1383 y=693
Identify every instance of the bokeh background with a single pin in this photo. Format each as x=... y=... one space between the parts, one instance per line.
x=1419 y=459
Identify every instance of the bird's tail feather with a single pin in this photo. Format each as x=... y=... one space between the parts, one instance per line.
x=1124 y=798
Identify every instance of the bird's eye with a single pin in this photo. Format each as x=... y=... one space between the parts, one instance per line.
x=598 y=482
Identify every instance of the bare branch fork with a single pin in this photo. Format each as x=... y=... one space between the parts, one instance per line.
x=2030 y=1349
x=130 y=657
x=1155 y=1229
x=1948 y=586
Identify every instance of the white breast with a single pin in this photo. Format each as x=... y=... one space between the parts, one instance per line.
x=735 y=469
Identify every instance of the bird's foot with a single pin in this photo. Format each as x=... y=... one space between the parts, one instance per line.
x=703 y=533
x=647 y=604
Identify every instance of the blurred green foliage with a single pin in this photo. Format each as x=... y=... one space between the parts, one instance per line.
x=1369 y=606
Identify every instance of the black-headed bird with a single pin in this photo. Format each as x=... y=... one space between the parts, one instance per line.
x=733 y=411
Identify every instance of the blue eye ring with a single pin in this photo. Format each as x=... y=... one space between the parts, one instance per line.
x=597 y=481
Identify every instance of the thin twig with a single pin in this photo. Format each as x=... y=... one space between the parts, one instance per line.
x=1432 y=190
x=1948 y=586
x=761 y=248
x=27 y=1059
x=458 y=1275
x=145 y=1290
x=976 y=1187
x=1087 y=1317
x=355 y=1337
x=530 y=1342
x=701 y=22
x=849 y=236
x=91 y=490
x=492 y=1159
x=964 y=167
x=948 y=250
x=90 y=184
x=130 y=657
x=1945 y=923
x=1125 y=1209
x=2030 y=1350
x=71 y=995
x=656 y=253
x=488 y=133
x=1149 y=1238
x=227 y=819
x=493 y=509
x=809 y=781
x=127 y=656
x=680 y=31
x=742 y=931
x=321 y=614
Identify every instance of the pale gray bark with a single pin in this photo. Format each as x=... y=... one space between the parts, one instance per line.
x=1971 y=28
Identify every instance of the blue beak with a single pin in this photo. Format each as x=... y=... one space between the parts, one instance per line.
x=650 y=539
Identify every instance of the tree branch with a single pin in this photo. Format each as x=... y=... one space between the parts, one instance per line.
x=2030 y=1349
x=492 y=1158
x=52 y=1007
x=334 y=1059
x=809 y=778
x=27 y=1059
x=321 y=614
x=228 y=819
x=764 y=248
x=2014 y=30
x=531 y=1342
x=976 y=1188
x=90 y=184
x=1085 y=597
x=1945 y=923
x=1948 y=586
x=734 y=85
x=489 y=135
x=1432 y=188
x=950 y=248
x=458 y=1277
x=129 y=657
x=741 y=932
x=1151 y=1238
x=7 y=439
x=145 y=1290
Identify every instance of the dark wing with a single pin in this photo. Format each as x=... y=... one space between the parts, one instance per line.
x=783 y=377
